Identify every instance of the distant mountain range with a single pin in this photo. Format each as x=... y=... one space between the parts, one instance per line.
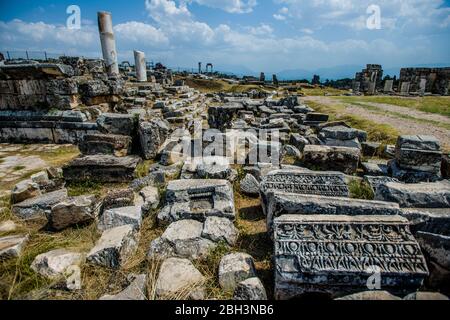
x=331 y=73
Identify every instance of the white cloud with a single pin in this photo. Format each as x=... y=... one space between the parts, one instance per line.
x=279 y=17
x=230 y=6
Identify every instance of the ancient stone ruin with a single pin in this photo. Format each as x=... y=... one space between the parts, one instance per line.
x=176 y=167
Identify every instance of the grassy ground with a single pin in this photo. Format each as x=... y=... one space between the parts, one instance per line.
x=377 y=132
x=212 y=86
x=438 y=105
x=322 y=91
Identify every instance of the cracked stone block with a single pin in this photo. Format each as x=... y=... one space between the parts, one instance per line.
x=179 y=277
x=114 y=247
x=73 y=211
x=220 y=230
x=12 y=246
x=24 y=190
x=182 y=239
x=116 y=217
x=250 y=289
x=197 y=199
x=136 y=291
x=234 y=268
x=40 y=205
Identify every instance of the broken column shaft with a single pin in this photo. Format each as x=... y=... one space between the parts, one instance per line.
x=108 y=42
x=141 y=68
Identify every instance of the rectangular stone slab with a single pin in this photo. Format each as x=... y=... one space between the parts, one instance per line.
x=336 y=254
x=282 y=203
x=101 y=168
x=300 y=182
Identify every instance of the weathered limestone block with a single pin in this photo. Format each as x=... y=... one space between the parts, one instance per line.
x=330 y=184
x=418 y=142
x=12 y=246
x=220 y=230
x=73 y=211
x=221 y=117
x=118 y=199
x=94 y=88
x=116 y=145
x=116 y=217
x=370 y=149
x=250 y=289
x=374 y=169
x=420 y=195
x=24 y=190
x=411 y=176
x=339 y=133
x=197 y=199
x=298 y=141
x=40 y=205
x=342 y=159
x=36 y=71
x=419 y=160
x=428 y=220
x=101 y=168
x=62 y=87
x=182 y=239
x=121 y=124
x=150 y=197
x=249 y=185
x=152 y=135
x=436 y=246
x=375 y=181
x=234 y=268
x=137 y=290
x=114 y=247
x=420 y=153
x=214 y=168
x=279 y=203
x=58 y=263
x=316 y=117
x=179 y=277
x=336 y=254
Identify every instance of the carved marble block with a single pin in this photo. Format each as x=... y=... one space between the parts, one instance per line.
x=340 y=254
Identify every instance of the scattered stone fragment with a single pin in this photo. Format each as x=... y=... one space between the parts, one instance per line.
x=40 y=205
x=370 y=149
x=116 y=145
x=57 y=263
x=150 y=196
x=116 y=217
x=421 y=195
x=250 y=289
x=374 y=169
x=249 y=185
x=8 y=226
x=73 y=211
x=179 y=278
x=436 y=246
x=118 y=199
x=182 y=239
x=24 y=190
x=214 y=168
x=234 y=268
x=137 y=290
x=12 y=246
x=220 y=230
x=101 y=168
x=342 y=159
x=121 y=124
x=197 y=199
x=152 y=135
x=114 y=247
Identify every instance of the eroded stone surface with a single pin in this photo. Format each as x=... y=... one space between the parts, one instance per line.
x=234 y=268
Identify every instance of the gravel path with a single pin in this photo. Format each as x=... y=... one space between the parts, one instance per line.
x=404 y=126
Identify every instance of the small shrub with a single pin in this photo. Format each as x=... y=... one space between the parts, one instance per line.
x=361 y=190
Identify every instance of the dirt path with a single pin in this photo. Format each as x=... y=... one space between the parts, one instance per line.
x=403 y=125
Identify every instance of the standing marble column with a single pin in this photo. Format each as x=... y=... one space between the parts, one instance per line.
x=140 y=65
x=108 y=42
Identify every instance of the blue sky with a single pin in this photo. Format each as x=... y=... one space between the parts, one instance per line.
x=257 y=35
